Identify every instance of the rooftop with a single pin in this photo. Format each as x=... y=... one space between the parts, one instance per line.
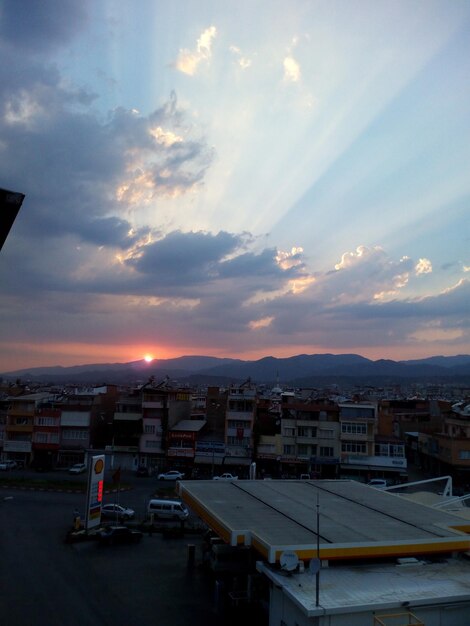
x=356 y=521
x=350 y=589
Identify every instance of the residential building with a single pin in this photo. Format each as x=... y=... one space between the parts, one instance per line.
x=310 y=436
x=364 y=453
x=448 y=450
x=239 y=420
x=19 y=426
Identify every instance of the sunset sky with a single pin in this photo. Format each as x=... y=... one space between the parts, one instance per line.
x=234 y=178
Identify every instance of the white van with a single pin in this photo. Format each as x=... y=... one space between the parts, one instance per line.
x=168 y=509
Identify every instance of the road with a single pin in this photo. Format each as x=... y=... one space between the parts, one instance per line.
x=46 y=582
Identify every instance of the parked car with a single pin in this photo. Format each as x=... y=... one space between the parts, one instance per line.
x=8 y=465
x=78 y=468
x=117 y=512
x=171 y=475
x=225 y=476
x=119 y=534
x=378 y=483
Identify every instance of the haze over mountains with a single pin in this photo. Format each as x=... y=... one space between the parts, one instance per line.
x=300 y=370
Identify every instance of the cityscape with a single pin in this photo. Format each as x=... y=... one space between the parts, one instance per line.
x=234 y=330
x=333 y=432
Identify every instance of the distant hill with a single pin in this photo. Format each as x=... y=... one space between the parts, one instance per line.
x=299 y=370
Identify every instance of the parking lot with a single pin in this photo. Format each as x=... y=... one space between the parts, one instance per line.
x=47 y=582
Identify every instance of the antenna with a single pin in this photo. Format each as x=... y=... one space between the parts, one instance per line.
x=289 y=560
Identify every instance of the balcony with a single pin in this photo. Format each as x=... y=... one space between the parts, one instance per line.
x=306 y=440
x=45 y=446
x=365 y=437
x=240 y=433
x=19 y=428
x=27 y=411
x=16 y=446
x=128 y=417
x=153 y=405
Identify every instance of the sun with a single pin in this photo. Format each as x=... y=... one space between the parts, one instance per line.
x=148 y=358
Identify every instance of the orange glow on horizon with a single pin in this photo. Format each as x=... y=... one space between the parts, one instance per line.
x=22 y=356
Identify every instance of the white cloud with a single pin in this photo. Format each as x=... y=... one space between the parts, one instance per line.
x=188 y=61
x=261 y=323
x=423 y=266
x=291 y=70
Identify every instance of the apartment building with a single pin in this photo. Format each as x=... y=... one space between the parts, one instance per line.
x=127 y=431
x=364 y=452
x=239 y=421
x=310 y=436
x=46 y=437
x=19 y=426
x=448 y=450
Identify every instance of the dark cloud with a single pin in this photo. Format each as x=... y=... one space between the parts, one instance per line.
x=40 y=25
x=184 y=258
x=110 y=231
x=261 y=265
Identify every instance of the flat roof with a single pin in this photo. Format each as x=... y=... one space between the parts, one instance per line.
x=347 y=589
x=356 y=521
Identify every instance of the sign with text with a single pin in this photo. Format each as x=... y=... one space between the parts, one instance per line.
x=95 y=491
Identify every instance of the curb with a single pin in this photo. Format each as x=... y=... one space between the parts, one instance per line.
x=59 y=490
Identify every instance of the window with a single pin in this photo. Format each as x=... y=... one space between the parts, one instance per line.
x=354 y=447
x=326 y=433
x=289 y=450
x=354 y=428
x=41 y=438
x=398 y=451
x=464 y=455
x=75 y=434
x=149 y=429
x=289 y=432
x=235 y=441
x=21 y=421
x=326 y=451
x=46 y=421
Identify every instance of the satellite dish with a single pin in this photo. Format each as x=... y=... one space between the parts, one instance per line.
x=289 y=560
x=314 y=566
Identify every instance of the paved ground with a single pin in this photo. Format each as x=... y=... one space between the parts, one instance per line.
x=46 y=582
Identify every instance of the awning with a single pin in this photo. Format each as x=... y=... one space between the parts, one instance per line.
x=207 y=460
x=373 y=468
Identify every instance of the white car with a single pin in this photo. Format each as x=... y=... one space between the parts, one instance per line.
x=8 y=465
x=225 y=476
x=78 y=468
x=378 y=483
x=171 y=475
x=117 y=511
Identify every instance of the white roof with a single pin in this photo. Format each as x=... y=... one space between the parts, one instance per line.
x=356 y=521
x=349 y=589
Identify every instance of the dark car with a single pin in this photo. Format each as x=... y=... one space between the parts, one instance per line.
x=119 y=534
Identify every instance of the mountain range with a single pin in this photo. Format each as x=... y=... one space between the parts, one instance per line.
x=300 y=370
